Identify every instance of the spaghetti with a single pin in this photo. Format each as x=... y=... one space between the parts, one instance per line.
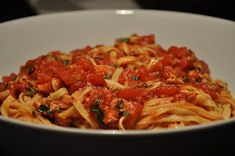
x=135 y=84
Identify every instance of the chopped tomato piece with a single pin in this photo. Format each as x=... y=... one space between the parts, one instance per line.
x=185 y=63
x=167 y=60
x=143 y=40
x=165 y=73
x=80 y=52
x=179 y=96
x=179 y=52
x=134 y=111
x=85 y=64
x=211 y=90
x=128 y=76
x=76 y=86
x=191 y=97
x=130 y=93
x=45 y=88
x=96 y=80
x=7 y=79
x=167 y=90
x=17 y=88
x=156 y=67
x=2 y=86
x=144 y=74
x=70 y=75
x=44 y=77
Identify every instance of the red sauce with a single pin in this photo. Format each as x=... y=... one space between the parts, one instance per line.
x=79 y=72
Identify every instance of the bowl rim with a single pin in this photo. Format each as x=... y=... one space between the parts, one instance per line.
x=104 y=132
x=116 y=12
x=115 y=132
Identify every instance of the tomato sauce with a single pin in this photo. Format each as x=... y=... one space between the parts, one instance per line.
x=76 y=71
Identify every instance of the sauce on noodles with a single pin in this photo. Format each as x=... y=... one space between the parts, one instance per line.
x=134 y=84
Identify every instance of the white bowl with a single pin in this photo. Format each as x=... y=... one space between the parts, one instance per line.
x=24 y=39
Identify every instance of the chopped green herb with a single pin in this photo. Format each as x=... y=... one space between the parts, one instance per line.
x=61 y=109
x=197 y=68
x=115 y=65
x=136 y=78
x=29 y=69
x=98 y=112
x=107 y=76
x=120 y=107
x=146 y=85
x=66 y=62
x=186 y=79
x=34 y=113
x=120 y=104
x=51 y=112
x=124 y=113
x=30 y=91
x=95 y=108
x=124 y=39
x=43 y=108
x=198 y=79
x=98 y=101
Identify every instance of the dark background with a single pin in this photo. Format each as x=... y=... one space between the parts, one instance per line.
x=12 y=9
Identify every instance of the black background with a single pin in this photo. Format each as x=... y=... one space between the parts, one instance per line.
x=12 y=9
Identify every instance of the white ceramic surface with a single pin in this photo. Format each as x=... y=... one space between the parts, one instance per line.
x=211 y=38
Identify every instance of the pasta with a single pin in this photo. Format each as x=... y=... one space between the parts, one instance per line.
x=134 y=84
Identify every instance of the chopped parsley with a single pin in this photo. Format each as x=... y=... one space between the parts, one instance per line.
x=29 y=69
x=120 y=107
x=66 y=62
x=136 y=78
x=124 y=113
x=120 y=104
x=30 y=91
x=186 y=79
x=115 y=65
x=107 y=76
x=126 y=39
x=43 y=108
x=147 y=85
x=34 y=113
x=95 y=108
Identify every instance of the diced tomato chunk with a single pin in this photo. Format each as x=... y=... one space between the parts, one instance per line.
x=167 y=90
x=210 y=90
x=7 y=79
x=179 y=96
x=71 y=75
x=130 y=93
x=185 y=63
x=179 y=52
x=85 y=64
x=96 y=80
x=44 y=77
x=2 y=86
x=134 y=111
x=144 y=74
x=143 y=40
x=76 y=86
x=17 y=88
x=156 y=67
